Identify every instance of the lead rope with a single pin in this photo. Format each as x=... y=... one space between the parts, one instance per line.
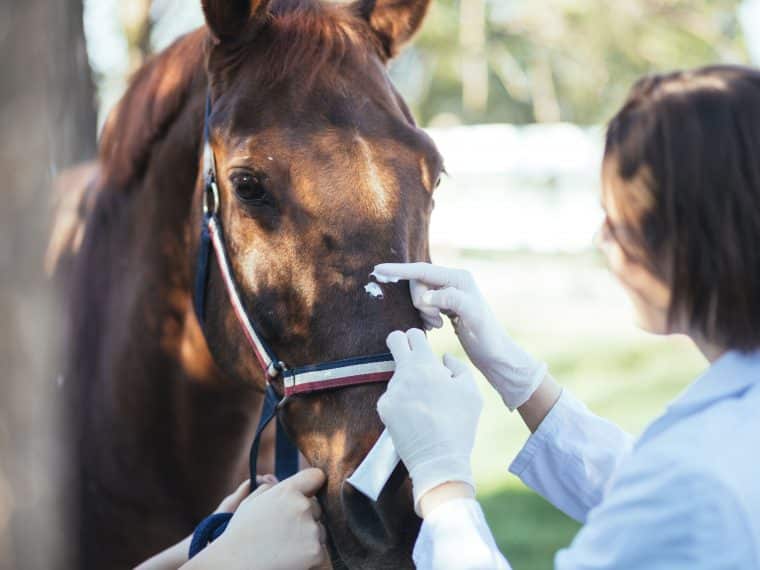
x=286 y=464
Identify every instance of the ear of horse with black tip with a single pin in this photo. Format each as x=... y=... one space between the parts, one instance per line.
x=241 y=273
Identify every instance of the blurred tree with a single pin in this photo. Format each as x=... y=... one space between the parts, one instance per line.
x=569 y=60
x=48 y=123
x=138 y=24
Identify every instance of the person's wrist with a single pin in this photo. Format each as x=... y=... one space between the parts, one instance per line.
x=540 y=403
x=515 y=384
x=444 y=493
x=433 y=473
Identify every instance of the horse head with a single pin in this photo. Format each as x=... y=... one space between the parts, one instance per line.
x=321 y=174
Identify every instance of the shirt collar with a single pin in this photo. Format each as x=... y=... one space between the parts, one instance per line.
x=734 y=372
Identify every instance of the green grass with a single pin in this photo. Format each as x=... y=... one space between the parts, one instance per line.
x=622 y=374
x=527 y=528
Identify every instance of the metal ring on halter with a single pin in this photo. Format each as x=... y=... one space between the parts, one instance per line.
x=211 y=189
x=275 y=369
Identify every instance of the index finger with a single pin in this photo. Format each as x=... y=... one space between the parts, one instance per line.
x=398 y=344
x=306 y=482
x=427 y=273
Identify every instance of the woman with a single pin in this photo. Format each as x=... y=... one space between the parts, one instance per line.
x=681 y=192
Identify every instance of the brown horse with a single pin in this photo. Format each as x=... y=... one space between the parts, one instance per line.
x=322 y=174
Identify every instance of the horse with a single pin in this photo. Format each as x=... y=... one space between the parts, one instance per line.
x=322 y=173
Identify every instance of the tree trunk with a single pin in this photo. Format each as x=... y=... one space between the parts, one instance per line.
x=137 y=23
x=48 y=123
x=474 y=67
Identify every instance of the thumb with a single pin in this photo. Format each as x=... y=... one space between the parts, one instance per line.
x=306 y=482
x=457 y=367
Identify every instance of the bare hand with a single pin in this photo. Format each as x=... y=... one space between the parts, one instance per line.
x=275 y=528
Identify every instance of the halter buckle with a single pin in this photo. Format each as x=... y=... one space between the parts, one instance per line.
x=213 y=191
x=275 y=369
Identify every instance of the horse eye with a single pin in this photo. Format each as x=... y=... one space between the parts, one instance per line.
x=249 y=187
x=438 y=182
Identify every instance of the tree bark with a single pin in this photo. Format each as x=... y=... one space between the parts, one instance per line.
x=474 y=66
x=48 y=122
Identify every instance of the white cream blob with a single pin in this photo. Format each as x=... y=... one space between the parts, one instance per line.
x=374 y=290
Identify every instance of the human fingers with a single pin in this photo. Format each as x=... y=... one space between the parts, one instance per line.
x=457 y=367
x=462 y=376
x=306 y=482
x=262 y=488
x=434 y=275
x=430 y=322
x=451 y=300
x=316 y=509
x=431 y=316
x=232 y=501
x=419 y=343
x=315 y=551
x=398 y=344
x=269 y=479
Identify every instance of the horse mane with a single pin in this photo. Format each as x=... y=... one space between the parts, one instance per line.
x=157 y=94
x=308 y=37
x=314 y=38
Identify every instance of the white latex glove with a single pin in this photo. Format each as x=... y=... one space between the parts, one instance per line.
x=513 y=372
x=431 y=411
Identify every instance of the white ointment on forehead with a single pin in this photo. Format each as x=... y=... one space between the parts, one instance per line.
x=374 y=290
x=373 y=175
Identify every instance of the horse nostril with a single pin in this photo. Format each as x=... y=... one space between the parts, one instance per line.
x=365 y=520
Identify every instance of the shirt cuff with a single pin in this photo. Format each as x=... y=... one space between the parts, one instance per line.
x=455 y=535
x=571 y=457
x=545 y=434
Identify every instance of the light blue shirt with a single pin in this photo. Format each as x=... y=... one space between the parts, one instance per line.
x=686 y=494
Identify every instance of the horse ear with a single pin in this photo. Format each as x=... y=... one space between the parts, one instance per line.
x=234 y=20
x=393 y=21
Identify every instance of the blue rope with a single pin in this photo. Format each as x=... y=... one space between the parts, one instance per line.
x=286 y=464
x=208 y=531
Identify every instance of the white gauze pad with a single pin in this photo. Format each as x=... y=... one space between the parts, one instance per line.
x=373 y=473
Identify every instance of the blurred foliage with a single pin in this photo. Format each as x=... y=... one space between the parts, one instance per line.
x=518 y=61
x=485 y=61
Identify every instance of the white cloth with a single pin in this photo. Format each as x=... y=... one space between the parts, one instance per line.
x=685 y=495
x=377 y=467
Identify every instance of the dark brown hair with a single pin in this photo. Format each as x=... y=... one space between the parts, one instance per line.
x=682 y=165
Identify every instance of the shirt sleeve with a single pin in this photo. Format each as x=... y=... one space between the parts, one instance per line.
x=569 y=460
x=455 y=536
x=668 y=519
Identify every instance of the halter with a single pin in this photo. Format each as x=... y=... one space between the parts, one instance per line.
x=298 y=380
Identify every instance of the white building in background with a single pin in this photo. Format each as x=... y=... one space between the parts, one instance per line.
x=531 y=188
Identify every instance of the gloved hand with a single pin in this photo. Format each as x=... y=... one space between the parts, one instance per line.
x=431 y=410
x=513 y=373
